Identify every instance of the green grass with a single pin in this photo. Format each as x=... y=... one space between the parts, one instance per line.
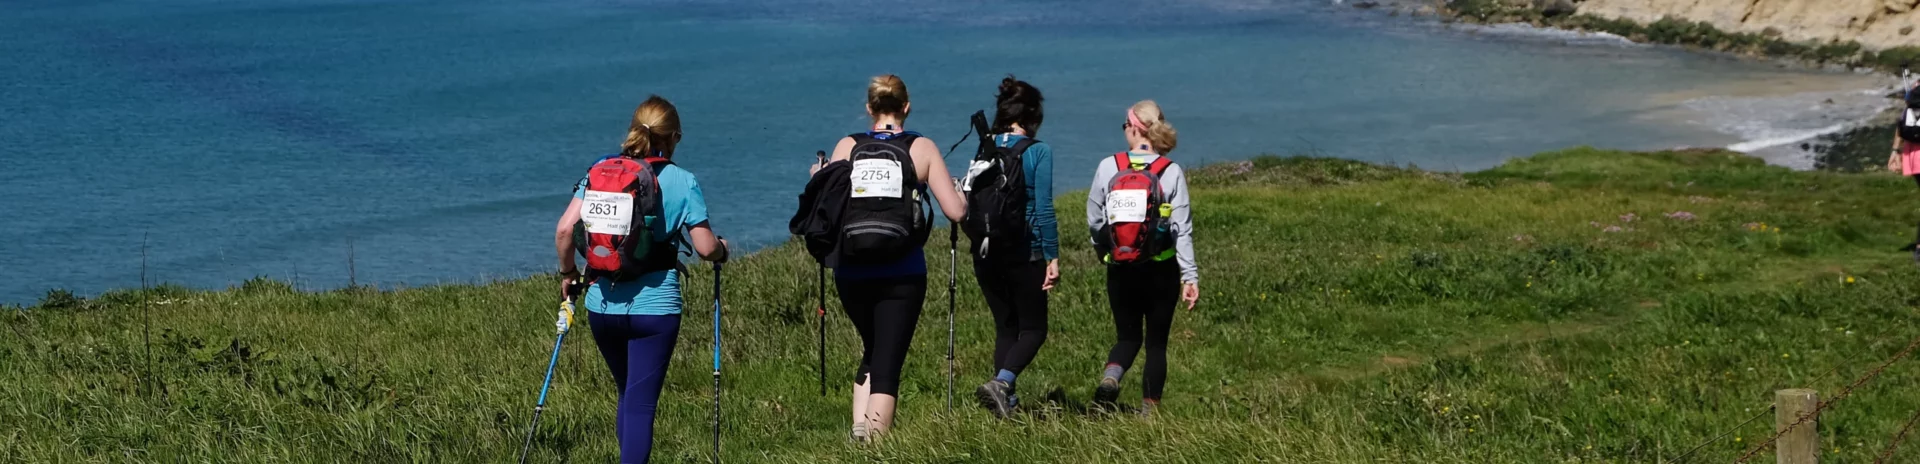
x=1351 y=313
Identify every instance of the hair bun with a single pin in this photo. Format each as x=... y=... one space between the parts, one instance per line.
x=1009 y=87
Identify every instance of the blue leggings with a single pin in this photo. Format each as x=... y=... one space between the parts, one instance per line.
x=637 y=349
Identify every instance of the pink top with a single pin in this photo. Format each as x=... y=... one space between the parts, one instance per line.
x=1909 y=158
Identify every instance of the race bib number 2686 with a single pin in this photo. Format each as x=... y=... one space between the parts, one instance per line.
x=1126 y=206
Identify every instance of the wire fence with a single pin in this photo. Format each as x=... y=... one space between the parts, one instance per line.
x=1844 y=393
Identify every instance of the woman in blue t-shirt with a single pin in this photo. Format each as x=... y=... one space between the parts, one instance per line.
x=636 y=322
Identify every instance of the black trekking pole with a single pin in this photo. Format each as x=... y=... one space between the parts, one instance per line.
x=565 y=323
x=821 y=311
x=953 y=280
x=716 y=363
x=978 y=126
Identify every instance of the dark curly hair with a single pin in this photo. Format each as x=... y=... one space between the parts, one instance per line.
x=1017 y=103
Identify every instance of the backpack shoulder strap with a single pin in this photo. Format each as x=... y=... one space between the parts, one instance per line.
x=597 y=161
x=1123 y=162
x=1159 y=165
x=657 y=164
x=1019 y=149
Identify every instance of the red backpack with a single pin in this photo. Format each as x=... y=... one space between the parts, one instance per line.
x=1136 y=210
x=618 y=212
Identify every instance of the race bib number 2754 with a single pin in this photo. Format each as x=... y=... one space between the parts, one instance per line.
x=876 y=178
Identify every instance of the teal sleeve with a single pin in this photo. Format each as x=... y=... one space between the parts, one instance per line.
x=1040 y=175
x=580 y=189
x=695 y=211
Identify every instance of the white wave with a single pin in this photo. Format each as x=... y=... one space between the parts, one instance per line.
x=1567 y=36
x=1774 y=123
x=1788 y=139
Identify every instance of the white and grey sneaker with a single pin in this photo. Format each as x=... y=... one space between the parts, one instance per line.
x=860 y=436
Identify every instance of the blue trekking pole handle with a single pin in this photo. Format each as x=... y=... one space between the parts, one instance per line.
x=716 y=363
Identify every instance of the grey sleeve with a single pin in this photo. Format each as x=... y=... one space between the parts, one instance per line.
x=1175 y=181
x=1097 y=204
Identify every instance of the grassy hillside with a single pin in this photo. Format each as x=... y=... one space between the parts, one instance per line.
x=1578 y=306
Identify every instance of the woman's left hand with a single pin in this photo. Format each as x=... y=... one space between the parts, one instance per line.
x=1053 y=275
x=1190 y=291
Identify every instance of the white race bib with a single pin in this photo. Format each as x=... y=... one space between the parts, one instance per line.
x=876 y=178
x=608 y=213
x=1126 y=206
x=1913 y=117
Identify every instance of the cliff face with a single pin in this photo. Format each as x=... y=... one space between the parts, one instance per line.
x=1876 y=24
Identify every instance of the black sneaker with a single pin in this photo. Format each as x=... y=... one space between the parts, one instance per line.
x=995 y=396
x=1107 y=392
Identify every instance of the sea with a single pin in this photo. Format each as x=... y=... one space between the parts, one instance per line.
x=322 y=142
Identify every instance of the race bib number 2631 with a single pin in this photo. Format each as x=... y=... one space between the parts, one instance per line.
x=1126 y=206
x=876 y=178
x=608 y=213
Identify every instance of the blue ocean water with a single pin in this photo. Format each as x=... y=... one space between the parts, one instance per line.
x=235 y=139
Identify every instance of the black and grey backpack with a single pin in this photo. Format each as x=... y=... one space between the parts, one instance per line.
x=887 y=214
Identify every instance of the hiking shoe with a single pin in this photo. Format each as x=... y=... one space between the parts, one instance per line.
x=1107 y=392
x=1147 y=407
x=860 y=436
x=995 y=396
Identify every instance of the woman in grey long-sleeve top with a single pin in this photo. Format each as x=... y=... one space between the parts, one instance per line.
x=1147 y=290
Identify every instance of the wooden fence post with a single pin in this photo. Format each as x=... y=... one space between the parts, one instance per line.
x=1802 y=445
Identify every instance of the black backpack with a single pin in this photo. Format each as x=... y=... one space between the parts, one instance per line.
x=1909 y=126
x=887 y=215
x=997 y=199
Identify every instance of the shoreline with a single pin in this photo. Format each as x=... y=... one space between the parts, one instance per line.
x=1839 y=146
x=1684 y=33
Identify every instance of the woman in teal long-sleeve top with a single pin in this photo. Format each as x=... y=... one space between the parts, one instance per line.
x=1016 y=286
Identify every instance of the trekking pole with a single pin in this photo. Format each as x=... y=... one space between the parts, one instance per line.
x=953 y=279
x=565 y=323
x=821 y=311
x=716 y=363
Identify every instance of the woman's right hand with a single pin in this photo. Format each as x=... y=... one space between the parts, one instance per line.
x=570 y=283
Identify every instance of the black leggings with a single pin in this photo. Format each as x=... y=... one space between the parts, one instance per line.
x=1012 y=290
x=884 y=311
x=1145 y=292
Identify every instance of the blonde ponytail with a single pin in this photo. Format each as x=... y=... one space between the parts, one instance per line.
x=655 y=129
x=1159 y=132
